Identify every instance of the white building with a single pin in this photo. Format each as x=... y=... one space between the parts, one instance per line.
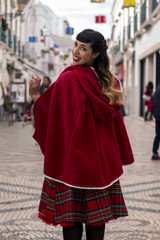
x=135 y=49
x=40 y=22
x=22 y=52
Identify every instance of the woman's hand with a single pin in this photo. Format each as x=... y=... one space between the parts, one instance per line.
x=34 y=85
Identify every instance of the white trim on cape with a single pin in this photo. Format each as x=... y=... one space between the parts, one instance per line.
x=74 y=186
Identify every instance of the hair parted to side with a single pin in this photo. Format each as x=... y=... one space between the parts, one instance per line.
x=101 y=64
x=49 y=80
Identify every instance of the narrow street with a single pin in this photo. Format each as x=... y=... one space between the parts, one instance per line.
x=21 y=168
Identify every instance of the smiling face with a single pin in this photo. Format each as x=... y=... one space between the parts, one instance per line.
x=82 y=54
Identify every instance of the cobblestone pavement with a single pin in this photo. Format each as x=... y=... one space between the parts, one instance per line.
x=21 y=165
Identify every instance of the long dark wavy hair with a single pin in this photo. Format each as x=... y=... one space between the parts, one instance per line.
x=101 y=64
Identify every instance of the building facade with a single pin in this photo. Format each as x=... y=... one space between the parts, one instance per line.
x=136 y=50
x=32 y=40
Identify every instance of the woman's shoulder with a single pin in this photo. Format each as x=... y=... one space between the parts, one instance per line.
x=67 y=75
x=68 y=80
x=71 y=74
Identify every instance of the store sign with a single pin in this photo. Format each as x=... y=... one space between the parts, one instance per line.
x=69 y=31
x=18 y=92
x=98 y=1
x=100 y=19
x=129 y=3
x=42 y=39
x=33 y=39
x=55 y=45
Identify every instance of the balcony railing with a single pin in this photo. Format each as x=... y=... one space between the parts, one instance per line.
x=154 y=4
x=135 y=23
x=23 y=51
x=9 y=38
x=124 y=32
x=143 y=12
x=117 y=48
x=2 y=35
x=19 y=48
x=129 y=31
x=14 y=43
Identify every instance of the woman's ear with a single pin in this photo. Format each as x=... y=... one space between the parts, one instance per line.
x=96 y=54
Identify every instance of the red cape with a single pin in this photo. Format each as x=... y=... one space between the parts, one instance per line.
x=82 y=137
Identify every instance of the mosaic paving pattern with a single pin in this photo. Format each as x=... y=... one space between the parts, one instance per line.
x=21 y=166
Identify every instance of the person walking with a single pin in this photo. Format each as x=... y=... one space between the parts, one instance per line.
x=46 y=83
x=156 y=114
x=43 y=87
x=148 y=101
x=81 y=133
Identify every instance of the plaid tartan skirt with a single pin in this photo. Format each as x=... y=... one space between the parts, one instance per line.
x=65 y=205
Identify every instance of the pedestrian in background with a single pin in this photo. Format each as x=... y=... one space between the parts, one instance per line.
x=122 y=110
x=46 y=83
x=80 y=130
x=156 y=114
x=43 y=87
x=148 y=101
x=1 y=102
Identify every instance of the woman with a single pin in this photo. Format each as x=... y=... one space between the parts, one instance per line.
x=81 y=133
x=148 y=97
x=43 y=87
x=46 y=83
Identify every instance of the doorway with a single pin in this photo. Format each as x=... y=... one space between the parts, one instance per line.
x=142 y=80
x=157 y=68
